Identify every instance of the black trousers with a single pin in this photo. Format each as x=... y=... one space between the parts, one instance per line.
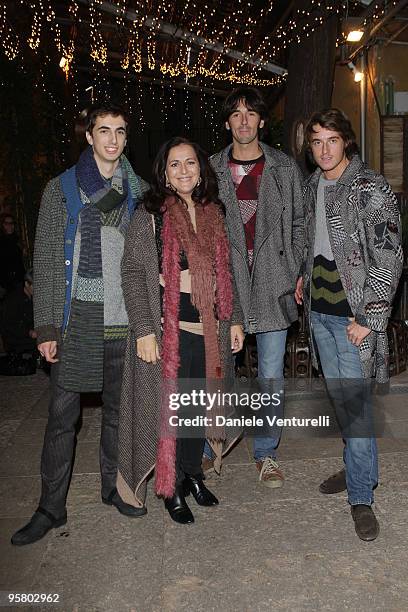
x=60 y=433
x=192 y=365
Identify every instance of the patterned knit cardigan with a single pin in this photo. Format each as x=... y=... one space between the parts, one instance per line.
x=364 y=228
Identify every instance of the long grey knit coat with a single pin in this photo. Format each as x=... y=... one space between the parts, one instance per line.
x=139 y=418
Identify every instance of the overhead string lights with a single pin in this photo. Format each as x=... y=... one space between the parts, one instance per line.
x=151 y=54
x=301 y=25
x=67 y=51
x=120 y=15
x=163 y=105
x=196 y=42
x=9 y=40
x=76 y=92
x=35 y=37
x=200 y=20
x=128 y=97
x=133 y=56
x=67 y=57
x=139 y=104
x=380 y=9
x=98 y=47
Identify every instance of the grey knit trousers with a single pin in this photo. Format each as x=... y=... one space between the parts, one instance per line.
x=60 y=434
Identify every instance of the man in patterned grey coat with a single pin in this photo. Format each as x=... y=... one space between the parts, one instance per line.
x=79 y=312
x=353 y=261
x=261 y=189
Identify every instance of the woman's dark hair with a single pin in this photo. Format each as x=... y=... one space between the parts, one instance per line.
x=204 y=193
x=335 y=120
x=252 y=99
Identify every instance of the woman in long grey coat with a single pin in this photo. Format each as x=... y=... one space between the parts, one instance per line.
x=184 y=323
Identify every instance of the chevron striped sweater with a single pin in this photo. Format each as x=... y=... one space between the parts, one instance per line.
x=327 y=293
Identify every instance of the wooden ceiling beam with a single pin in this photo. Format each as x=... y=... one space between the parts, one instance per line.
x=368 y=36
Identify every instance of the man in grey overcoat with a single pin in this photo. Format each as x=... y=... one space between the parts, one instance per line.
x=261 y=189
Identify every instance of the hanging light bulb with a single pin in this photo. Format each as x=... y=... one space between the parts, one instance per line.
x=358 y=76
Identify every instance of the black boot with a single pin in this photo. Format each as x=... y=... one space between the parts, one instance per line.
x=195 y=485
x=114 y=499
x=177 y=507
x=41 y=523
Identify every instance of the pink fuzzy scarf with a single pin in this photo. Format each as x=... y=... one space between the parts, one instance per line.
x=207 y=252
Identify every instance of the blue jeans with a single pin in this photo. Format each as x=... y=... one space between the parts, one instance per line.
x=271 y=352
x=340 y=359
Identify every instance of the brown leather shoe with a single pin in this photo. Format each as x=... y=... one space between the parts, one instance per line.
x=334 y=484
x=365 y=522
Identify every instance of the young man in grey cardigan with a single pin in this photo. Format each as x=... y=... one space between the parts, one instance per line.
x=353 y=262
x=79 y=312
x=261 y=189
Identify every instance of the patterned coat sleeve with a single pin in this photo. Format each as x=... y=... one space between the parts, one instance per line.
x=237 y=317
x=134 y=278
x=298 y=227
x=48 y=239
x=380 y=223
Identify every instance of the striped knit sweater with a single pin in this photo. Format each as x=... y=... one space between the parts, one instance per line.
x=49 y=262
x=327 y=293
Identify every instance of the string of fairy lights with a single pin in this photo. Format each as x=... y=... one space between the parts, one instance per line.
x=146 y=48
x=9 y=39
x=242 y=21
x=98 y=47
x=44 y=15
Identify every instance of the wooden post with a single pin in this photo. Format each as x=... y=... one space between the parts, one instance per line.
x=310 y=80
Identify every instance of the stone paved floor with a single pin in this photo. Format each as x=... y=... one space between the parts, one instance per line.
x=287 y=549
